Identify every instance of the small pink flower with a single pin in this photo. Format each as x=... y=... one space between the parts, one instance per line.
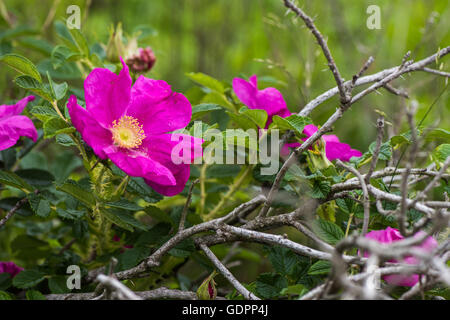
x=390 y=235
x=13 y=125
x=271 y=100
x=10 y=267
x=131 y=125
x=334 y=149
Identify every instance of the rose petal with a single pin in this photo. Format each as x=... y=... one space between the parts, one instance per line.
x=95 y=135
x=246 y=92
x=172 y=113
x=138 y=164
x=15 y=109
x=14 y=127
x=156 y=90
x=107 y=94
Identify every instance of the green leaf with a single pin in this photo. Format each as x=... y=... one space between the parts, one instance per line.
x=269 y=285
x=138 y=186
x=293 y=122
x=58 y=91
x=29 y=83
x=242 y=122
x=327 y=231
x=60 y=54
x=123 y=219
x=154 y=235
x=65 y=140
x=184 y=249
x=218 y=98
x=36 y=177
x=5 y=296
x=158 y=214
x=13 y=180
x=239 y=137
x=124 y=204
x=34 y=295
x=17 y=32
x=297 y=289
x=131 y=258
x=283 y=260
x=438 y=133
x=320 y=267
x=257 y=116
x=200 y=110
x=28 y=278
x=21 y=65
x=44 y=113
x=440 y=154
x=39 y=205
x=206 y=81
x=5 y=281
x=72 y=38
x=385 y=150
x=55 y=126
x=80 y=41
x=72 y=188
x=70 y=214
x=58 y=284
x=345 y=204
x=321 y=188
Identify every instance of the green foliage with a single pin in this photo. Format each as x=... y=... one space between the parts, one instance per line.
x=328 y=231
x=75 y=208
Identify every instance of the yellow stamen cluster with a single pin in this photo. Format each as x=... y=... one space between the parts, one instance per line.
x=127 y=132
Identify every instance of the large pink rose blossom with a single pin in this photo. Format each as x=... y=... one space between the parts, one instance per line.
x=271 y=100
x=10 y=267
x=130 y=125
x=390 y=235
x=13 y=125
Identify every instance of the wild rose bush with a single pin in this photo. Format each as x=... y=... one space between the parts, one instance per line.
x=330 y=222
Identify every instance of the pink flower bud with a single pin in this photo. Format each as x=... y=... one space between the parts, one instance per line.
x=142 y=61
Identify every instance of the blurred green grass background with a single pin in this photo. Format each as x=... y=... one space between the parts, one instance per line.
x=229 y=38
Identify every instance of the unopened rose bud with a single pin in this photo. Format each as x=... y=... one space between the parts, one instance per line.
x=142 y=61
x=207 y=290
x=115 y=47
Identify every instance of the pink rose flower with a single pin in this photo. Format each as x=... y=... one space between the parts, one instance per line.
x=271 y=100
x=13 y=125
x=390 y=235
x=10 y=267
x=130 y=125
x=334 y=149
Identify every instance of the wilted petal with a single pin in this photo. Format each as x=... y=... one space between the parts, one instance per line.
x=107 y=94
